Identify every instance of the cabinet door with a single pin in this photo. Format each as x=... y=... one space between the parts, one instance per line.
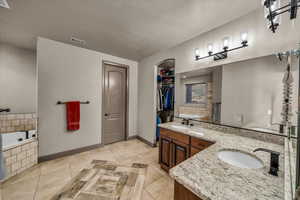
x=181 y=193
x=180 y=152
x=195 y=151
x=165 y=152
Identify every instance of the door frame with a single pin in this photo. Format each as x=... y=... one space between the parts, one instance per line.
x=126 y=67
x=155 y=70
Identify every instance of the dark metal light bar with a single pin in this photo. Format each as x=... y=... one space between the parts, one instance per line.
x=223 y=54
x=291 y=7
x=60 y=102
x=5 y=110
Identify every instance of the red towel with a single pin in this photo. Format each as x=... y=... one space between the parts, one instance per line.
x=73 y=115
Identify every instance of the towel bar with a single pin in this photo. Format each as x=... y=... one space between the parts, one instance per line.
x=60 y=102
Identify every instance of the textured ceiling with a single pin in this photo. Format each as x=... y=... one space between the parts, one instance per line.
x=131 y=29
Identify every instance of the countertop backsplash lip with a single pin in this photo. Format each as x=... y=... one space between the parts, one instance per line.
x=277 y=139
x=224 y=181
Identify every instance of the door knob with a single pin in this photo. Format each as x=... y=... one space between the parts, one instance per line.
x=105 y=114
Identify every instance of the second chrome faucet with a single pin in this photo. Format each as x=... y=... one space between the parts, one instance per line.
x=274 y=160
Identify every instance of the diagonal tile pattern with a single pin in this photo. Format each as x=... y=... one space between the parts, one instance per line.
x=46 y=179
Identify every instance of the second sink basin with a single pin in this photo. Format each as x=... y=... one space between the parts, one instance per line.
x=240 y=159
x=196 y=133
x=179 y=127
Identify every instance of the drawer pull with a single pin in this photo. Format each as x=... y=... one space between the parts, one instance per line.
x=180 y=148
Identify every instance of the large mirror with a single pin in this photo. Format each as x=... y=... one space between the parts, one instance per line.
x=18 y=98
x=259 y=94
x=248 y=94
x=18 y=80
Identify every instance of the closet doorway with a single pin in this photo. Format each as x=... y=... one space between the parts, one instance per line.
x=165 y=94
x=114 y=106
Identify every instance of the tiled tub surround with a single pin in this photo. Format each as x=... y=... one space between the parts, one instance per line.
x=21 y=157
x=17 y=122
x=10 y=140
x=212 y=179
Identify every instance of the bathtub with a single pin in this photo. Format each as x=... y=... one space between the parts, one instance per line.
x=11 y=140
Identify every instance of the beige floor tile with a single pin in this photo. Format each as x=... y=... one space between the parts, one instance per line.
x=55 y=165
x=32 y=172
x=48 y=193
x=169 y=192
x=102 y=155
x=153 y=174
x=157 y=187
x=24 y=190
x=51 y=183
x=46 y=179
x=53 y=178
x=146 y=196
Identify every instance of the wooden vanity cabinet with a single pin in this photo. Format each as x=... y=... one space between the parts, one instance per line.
x=176 y=147
x=180 y=152
x=173 y=148
x=198 y=145
x=181 y=193
x=165 y=152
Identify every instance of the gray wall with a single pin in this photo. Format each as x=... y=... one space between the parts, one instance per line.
x=72 y=73
x=262 y=42
x=251 y=88
x=18 y=79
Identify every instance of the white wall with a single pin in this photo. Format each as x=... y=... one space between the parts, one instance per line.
x=251 y=88
x=69 y=73
x=261 y=40
x=18 y=88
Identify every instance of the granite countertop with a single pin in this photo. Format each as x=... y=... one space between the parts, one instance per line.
x=209 y=178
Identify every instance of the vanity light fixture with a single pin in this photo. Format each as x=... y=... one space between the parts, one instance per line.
x=197 y=53
x=273 y=10
x=226 y=43
x=226 y=48
x=244 y=38
x=210 y=49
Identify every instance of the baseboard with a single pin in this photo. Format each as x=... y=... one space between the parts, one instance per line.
x=87 y=148
x=68 y=153
x=132 y=137
x=145 y=141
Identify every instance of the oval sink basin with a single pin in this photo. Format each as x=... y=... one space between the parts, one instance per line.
x=240 y=159
x=196 y=133
x=179 y=127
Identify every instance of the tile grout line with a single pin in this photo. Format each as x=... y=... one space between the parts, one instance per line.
x=71 y=174
x=38 y=182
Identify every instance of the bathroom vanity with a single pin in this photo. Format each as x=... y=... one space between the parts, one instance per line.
x=192 y=155
x=175 y=147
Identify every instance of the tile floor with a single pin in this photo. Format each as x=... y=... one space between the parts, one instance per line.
x=45 y=179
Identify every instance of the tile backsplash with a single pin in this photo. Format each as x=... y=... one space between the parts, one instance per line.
x=17 y=122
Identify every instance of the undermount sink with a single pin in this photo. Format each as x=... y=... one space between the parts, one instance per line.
x=240 y=159
x=196 y=133
x=179 y=127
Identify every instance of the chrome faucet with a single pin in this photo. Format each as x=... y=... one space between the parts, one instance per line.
x=185 y=121
x=274 y=160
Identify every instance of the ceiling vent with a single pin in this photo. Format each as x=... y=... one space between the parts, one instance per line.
x=76 y=40
x=4 y=4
